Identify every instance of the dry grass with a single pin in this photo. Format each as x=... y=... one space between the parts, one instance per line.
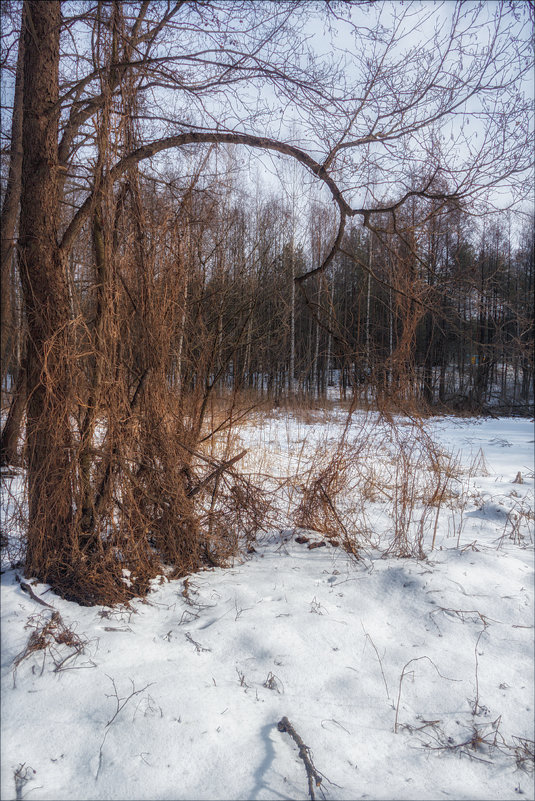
x=388 y=466
x=52 y=638
x=382 y=466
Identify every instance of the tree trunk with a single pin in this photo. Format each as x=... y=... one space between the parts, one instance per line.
x=9 y=453
x=10 y=206
x=291 y=376
x=46 y=298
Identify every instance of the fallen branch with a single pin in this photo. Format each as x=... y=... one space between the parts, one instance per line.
x=27 y=588
x=314 y=778
x=215 y=473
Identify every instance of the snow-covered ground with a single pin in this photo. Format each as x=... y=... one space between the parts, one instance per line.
x=406 y=678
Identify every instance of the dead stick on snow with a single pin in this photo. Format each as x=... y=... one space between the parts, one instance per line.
x=28 y=589
x=314 y=778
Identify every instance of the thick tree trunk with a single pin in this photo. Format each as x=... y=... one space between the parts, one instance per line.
x=46 y=298
x=10 y=207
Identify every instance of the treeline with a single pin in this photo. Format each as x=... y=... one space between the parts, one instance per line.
x=440 y=314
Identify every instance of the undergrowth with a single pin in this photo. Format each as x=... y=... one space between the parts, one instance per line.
x=173 y=504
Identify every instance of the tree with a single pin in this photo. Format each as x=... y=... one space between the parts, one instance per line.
x=10 y=203
x=45 y=296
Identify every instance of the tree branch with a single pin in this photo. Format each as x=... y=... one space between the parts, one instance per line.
x=314 y=778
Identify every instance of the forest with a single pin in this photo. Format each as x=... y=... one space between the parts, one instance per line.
x=266 y=454
x=210 y=206
x=442 y=322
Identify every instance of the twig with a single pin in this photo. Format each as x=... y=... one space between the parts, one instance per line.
x=332 y=720
x=314 y=778
x=475 y=707
x=333 y=510
x=198 y=646
x=272 y=682
x=22 y=777
x=461 y=612
x=417 y=659
x=122 y=702
x=379 y=660
x=120 y=705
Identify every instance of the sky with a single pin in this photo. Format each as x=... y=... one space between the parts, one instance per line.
x=318 y=128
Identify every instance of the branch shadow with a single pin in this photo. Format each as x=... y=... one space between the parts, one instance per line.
x=262 y=769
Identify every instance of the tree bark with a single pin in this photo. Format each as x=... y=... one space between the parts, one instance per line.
x=9 y=441
x=45 y=295
x=10 y=206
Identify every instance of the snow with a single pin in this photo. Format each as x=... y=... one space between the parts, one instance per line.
x=407 y=679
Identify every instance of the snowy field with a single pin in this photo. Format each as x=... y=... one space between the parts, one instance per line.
x=406 y=678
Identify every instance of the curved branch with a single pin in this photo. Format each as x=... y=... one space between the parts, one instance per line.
x=260 y=142
x=332 y=253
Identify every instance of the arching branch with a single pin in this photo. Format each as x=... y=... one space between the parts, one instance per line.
x=259 y=142
x=332 y=253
